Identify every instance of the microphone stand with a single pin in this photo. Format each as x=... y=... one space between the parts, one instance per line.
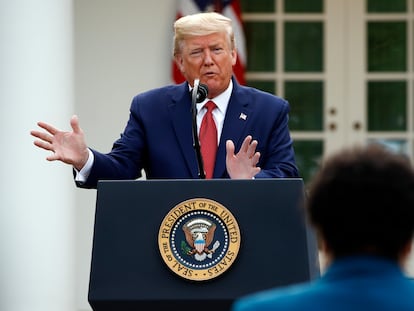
x=199 y=93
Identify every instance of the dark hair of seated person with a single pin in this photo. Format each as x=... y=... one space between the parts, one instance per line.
x=362 y=202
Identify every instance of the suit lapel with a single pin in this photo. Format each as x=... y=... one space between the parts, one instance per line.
x=180 y=111
x=235 y=121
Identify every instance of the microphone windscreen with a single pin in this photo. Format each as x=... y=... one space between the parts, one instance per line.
x=201 y=93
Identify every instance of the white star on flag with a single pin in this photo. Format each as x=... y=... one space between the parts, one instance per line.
x=243 y=116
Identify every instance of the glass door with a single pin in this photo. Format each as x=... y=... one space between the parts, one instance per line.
x=285 y=56
x=388 y=74
x=345 y=66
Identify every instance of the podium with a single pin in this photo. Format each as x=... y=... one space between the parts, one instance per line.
x=128 y=272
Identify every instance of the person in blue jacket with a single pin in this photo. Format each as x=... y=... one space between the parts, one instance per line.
x=361 y=204
x=252 y=125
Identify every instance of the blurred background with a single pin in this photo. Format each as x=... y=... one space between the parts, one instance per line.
x=345 y=66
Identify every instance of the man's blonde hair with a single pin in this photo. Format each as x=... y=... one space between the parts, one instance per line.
x=201 y=24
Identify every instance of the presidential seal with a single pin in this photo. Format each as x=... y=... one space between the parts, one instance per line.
x=199 y=239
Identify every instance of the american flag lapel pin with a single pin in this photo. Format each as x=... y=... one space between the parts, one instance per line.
x=243 y=116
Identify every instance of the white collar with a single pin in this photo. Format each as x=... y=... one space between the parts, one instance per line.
x=221 y=101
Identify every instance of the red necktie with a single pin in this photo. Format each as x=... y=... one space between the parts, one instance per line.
x=208 y=140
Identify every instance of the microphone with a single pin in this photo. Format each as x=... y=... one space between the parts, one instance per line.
x=198 y=95
x=201 y=93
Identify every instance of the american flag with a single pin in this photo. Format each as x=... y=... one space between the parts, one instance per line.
x=229 y=8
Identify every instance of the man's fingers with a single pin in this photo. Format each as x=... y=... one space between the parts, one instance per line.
x=252 y=149
x=74 y=123
x=52 y=157
x=52 y=130
x=230 y=147
x=256 y=158
x=42 y=135
x=246 y=142
x=44 y=145
x=35 y=133
x=249 y=146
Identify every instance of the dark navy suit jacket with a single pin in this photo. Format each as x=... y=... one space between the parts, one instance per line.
x=360 y=283
x=158 y=136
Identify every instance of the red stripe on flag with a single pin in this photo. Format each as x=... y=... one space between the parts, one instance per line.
x=238 y=70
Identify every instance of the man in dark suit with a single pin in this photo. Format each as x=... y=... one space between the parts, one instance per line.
x=253 y=139
x=362 y=205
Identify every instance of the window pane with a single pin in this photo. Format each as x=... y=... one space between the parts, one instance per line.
x=303 y=46
x=260 y=38
x=308 y=155
x=267 y=86
x=303 y=6
x=387 y=106
x=306 y=102
x=386 y=6
x=387 y=46
x=266 y=6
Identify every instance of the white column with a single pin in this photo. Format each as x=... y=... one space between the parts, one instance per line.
x=37 y=270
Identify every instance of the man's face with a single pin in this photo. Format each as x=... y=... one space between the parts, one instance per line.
x=208 y=58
